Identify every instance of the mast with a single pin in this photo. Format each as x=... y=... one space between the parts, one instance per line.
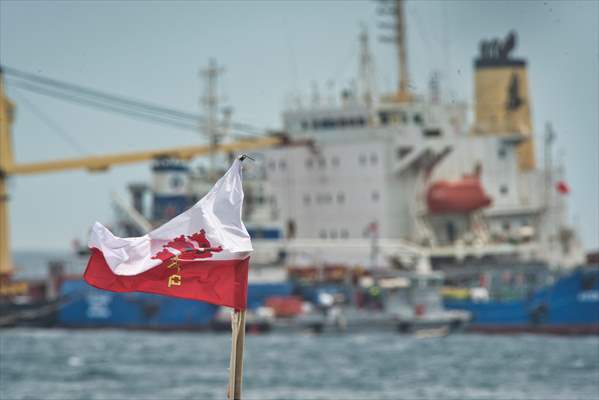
x=210 y=103
x=548 y=186
x=398 y=37
x=400 y=31
x=366 y=69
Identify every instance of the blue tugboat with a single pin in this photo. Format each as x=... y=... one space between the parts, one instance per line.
x=88 y=307
x=570 y=305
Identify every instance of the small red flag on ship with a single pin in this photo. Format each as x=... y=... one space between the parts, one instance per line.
x=562 y=187
x=202 y=254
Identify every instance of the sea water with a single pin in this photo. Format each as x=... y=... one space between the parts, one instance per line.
x=111 y=364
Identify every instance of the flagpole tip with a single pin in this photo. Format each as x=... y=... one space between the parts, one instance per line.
x=244 y=156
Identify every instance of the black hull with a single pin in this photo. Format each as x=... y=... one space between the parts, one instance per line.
x=34 y=314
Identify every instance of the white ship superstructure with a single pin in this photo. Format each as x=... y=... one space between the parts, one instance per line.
x=362 y=193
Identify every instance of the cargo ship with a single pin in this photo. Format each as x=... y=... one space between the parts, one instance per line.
x=385 y=185
x=391 y=179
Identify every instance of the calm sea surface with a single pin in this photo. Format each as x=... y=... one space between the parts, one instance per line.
x=108 y=364
x=129 y=365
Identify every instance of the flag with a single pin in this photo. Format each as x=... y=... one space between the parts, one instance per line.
x=202 y=254
x=562 y=187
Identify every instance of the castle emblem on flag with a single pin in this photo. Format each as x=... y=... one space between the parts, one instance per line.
x=183 y=248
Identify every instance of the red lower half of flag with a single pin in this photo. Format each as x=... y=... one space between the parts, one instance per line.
x=220 y=282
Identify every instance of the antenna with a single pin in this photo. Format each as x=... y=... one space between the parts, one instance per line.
x=315 y=94
x=210 y=102
x=331 y=92
x=399 y=38
x=447 y=51
x=366 y=69
x=434 y=88
x=548 y=147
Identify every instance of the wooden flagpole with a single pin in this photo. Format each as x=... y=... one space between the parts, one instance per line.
x=236 y=362
x=237 y=345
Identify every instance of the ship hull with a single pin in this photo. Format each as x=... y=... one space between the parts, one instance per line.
x=34 y=314
x=93 y=308
x=569 y=306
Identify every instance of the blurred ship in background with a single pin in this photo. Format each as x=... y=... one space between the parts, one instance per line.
x=394 y=213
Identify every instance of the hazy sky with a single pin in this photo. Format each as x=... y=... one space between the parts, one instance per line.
x=154 y=50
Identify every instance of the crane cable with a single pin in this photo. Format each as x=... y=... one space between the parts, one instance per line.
x=110 y=102
x=52 y=124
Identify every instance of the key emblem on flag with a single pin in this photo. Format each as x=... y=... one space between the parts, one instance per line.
x=174 y=279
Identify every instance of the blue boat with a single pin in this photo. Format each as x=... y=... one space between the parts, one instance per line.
x=568 y=306
x=88 y=307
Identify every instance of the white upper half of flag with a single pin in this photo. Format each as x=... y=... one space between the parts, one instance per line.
x=218 y=214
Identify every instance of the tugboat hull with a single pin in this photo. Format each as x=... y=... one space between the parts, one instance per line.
x=569 y=306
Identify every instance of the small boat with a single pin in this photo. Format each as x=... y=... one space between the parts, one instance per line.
x=569 y=305
x=31 y=303
x=432 y=333
x=406 y=302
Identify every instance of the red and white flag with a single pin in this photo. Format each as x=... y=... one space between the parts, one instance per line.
x=202 y=254
x=562 y=187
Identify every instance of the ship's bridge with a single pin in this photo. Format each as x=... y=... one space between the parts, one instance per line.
x=433 y=120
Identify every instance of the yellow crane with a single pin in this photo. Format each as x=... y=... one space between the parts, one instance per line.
x=93 y=163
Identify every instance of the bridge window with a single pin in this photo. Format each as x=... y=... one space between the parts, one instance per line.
x=502 y=152
x=328 y=123
x=332 y=123
x=432 y=133
x=384 y=117
x=418 y=119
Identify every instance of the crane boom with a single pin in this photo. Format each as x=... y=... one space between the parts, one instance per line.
x=101 y=163
x=93 y=163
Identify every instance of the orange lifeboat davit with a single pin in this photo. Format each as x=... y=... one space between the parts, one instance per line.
x=463 y=196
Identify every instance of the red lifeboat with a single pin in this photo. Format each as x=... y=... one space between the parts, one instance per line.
x=461 y=196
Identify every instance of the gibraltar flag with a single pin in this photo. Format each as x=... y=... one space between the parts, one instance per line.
x=202 y=254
